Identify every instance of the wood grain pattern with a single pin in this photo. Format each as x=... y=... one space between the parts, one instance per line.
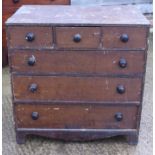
x=9 y=7
x=90 y=37
x=43 y=37
x=137 y=37
x=77 y=62
x=62 y=116
x=8 y=3
x=76 y=88
x=4 y=49
x=6 y=13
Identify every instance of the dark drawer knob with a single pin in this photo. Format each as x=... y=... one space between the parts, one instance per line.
x=120 y=89
x=124 y=38
x=122 y=63
x=15 y=1
x=77 y=38
x=35 y=115
x=119 y=116
x=30 y=36
x=33 y=87
x=31 y=60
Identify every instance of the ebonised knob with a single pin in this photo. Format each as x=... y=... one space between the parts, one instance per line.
x=31 y=60
x=122 y=63
x=124 y=38
x=30 y=36
x=33 y=87
x=119 y=116
x=120 y=89
x=34 y=115
x=15 y=1
x=77 y=38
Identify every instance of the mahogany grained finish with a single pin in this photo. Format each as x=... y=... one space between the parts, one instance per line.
x=7 y=12
x=111 y=38
x=77 y=76
x=76 y=88
x=90 y=37
x=86 y=62
x=4 y=49
x=64 y=116
x=36 y=2
x=43 y=37
x=9 y=7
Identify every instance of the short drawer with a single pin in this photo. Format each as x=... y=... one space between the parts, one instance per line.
x=124 y=37
x=30 y=37
x=78 y=37
x=75 y=116
x=67 y=88
x=77 y=62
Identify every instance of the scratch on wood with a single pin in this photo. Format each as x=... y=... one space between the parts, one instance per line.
x=114 y=62
x=56 y=108
x=87 y=109
x=107 y=84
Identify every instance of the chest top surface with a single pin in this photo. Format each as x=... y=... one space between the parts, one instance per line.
x=77 y=15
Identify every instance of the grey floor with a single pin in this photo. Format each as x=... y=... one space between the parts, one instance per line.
x=112 y=146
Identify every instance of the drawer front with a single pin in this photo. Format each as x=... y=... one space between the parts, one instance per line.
x=76 y=88
x=124 y=37
x=30 y=37
x=84 y=62
x=78 y=37
x=18 y=3
x=75 y=116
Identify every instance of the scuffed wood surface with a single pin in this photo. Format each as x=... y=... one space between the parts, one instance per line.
x=86 y=62
x=84 y=89
x=86 y=116
x=80 y=15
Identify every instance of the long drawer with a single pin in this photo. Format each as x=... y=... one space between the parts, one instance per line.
x=84 y=62
x=75 y=116
x=69 y=88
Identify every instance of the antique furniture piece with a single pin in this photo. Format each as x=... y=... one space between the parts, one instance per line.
x=77 y=72
x=10 y=6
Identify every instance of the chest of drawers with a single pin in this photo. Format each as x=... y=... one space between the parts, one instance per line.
x=77 y=73
x=10 y=6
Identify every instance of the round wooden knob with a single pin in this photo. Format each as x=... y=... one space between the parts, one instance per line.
x=30 y=36
x=122 y=63
x=31 y=60
x=120 y=89
x=33 y=87
x=124 y=38
x=34 y=115
x=119 y=116
x=77 y=38
x=15 y=1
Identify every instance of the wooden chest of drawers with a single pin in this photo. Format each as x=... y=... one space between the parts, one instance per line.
x=10 y=6
x=77 y=76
